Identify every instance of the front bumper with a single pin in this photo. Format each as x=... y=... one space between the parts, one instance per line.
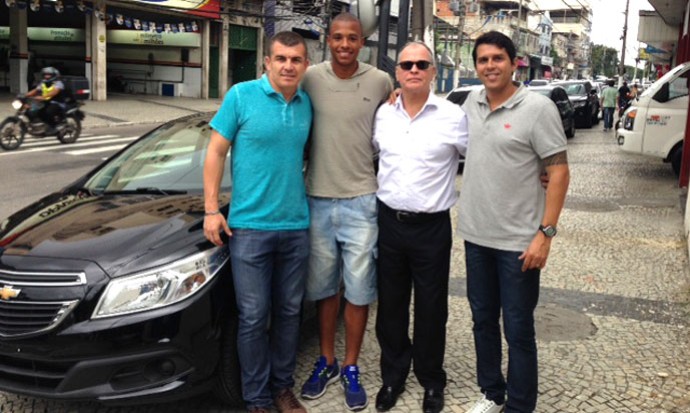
x=629 y=141
x=158 y=356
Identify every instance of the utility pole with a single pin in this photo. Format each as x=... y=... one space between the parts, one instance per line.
x=621 y=67
x=517 y=42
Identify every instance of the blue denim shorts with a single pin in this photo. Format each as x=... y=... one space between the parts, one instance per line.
x=342 y=238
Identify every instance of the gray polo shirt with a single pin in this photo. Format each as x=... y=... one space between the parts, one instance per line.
x=501 y=198
x=341 y=155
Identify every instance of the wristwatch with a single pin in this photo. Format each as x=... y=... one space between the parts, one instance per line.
x=548 y=230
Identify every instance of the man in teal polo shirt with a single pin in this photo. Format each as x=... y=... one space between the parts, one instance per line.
x=266 y=123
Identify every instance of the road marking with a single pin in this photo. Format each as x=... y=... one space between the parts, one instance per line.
x=54 y=141
x=61 y=146
x=95 y=150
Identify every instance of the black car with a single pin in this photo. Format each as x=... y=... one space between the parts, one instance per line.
x=585 y=101
x=109 y=290
x=565 y=107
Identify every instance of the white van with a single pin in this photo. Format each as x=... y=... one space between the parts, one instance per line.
x=655 y=124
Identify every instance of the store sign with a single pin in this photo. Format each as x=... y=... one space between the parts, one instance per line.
x=547 y=60
x=154 y=39
x=46 y=34
x=205 y=8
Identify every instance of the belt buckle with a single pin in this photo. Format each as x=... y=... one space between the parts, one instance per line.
x=401 y=216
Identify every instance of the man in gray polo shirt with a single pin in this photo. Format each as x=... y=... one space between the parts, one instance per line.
x=507 y=220
x=341 y=185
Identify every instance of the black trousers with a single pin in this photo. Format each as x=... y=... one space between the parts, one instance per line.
x=414 y=255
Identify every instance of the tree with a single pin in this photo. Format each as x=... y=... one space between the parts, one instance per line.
x=604 y=60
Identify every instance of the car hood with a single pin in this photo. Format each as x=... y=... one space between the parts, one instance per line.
x=121 y=233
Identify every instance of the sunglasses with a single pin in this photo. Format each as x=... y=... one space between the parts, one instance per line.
x=421 y=65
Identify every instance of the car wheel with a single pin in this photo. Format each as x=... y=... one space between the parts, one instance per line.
x=570 y=133
x=228 y=386
x=676 y=157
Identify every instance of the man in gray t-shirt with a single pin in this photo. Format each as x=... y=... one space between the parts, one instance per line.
x=507 y=220
x=341 y=187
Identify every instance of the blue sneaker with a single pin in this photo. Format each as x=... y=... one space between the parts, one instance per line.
x=320 y=378
x=355 y=395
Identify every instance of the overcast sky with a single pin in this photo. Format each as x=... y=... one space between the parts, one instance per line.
x=607 y=26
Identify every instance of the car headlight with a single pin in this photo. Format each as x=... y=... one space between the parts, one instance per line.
x=629 y=118
x=161 y=286
x=16 y=104
x=579 y=104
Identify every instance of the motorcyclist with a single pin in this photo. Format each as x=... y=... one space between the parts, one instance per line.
x=49 y=91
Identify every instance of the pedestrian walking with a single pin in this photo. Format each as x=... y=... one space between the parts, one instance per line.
x=608 y=103
x=268 y=219
x=420 y=138
x=508 y=221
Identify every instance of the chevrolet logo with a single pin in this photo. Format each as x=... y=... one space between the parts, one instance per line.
x=8 y=293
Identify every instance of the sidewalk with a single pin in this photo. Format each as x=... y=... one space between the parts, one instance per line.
x=122 y=109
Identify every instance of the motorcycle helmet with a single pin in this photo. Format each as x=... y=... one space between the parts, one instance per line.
x=49 y=74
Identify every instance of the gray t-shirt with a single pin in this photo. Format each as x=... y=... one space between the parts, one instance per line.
x=341 y=154
x=501 y=198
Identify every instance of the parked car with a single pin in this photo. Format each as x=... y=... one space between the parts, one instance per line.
x=565 y=107
x=655 y=124
x=538 y=82
x=459 y=94
x=110 y=291
x=585 y=101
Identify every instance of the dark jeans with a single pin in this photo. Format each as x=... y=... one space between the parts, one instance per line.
x=495 y=282
x=413 y=254
x=269 y=270
x=608 y=117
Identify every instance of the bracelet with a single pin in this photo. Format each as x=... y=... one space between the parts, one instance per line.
x=216 y=212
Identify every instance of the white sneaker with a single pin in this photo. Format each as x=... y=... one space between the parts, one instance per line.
x=485 y=405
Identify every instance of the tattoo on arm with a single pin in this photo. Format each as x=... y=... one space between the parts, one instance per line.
x=560 y=158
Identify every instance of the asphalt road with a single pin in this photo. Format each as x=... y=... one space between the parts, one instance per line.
x=42 y=166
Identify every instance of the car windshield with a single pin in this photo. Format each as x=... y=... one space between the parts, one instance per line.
x=168 y=160
x=575 y=89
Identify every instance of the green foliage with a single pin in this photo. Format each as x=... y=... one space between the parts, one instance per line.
x=604 y=60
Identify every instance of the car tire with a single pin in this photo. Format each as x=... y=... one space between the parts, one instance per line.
x=228 y=386
x=570 y=133
x=676 y=158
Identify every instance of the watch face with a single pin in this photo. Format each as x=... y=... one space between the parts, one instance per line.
x=549 y=231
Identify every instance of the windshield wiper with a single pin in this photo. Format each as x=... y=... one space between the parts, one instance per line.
x=149 y=190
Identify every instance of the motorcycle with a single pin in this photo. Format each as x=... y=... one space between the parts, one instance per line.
x=26 y=120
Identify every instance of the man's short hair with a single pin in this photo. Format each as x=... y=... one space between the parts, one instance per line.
x=497 y=39
x=432 y=60
x=611 y=82
x=346 y=17
x=289 y=39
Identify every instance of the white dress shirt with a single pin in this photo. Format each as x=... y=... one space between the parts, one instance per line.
x=418 y=157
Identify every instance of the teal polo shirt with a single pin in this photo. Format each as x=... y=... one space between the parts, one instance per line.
x=268 y=135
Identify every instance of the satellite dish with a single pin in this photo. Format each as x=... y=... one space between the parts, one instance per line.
x=365 y=10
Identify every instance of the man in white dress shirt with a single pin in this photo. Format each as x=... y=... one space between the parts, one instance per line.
x=420 y=138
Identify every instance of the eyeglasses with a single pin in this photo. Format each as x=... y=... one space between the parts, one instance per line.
x=421 y=65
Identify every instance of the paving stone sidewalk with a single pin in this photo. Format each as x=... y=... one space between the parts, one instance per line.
x=613 y=320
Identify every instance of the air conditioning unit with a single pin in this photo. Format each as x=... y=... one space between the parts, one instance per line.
x=473 y=7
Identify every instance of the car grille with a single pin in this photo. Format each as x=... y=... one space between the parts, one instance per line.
x=42 y=278
x=21 y=317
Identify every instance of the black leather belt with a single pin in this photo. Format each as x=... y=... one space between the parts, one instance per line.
x=411 y=217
